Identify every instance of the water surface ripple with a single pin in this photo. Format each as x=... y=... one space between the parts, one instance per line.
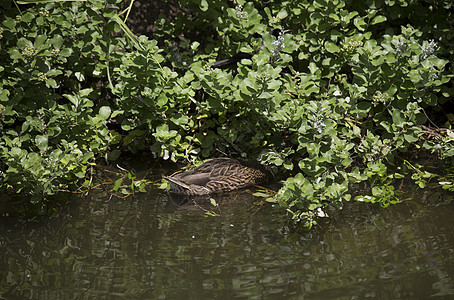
x=149 y=247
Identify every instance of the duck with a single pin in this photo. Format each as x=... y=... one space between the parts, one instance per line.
x=219 y=175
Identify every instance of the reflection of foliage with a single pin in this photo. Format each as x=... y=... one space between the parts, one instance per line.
x=137 y=249
x=335 y=97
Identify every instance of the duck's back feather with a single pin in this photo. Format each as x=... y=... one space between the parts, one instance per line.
x=219 y=175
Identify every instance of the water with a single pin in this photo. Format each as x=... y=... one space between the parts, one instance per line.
x=149 y=247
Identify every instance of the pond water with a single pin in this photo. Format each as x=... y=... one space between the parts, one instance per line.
x=152 y=247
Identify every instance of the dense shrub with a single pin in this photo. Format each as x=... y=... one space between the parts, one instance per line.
x=334 y=93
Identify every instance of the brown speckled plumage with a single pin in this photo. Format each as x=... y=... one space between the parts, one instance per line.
x=219 y=175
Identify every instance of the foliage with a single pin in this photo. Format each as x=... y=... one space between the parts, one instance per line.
x=335 y=93
x=52 y=117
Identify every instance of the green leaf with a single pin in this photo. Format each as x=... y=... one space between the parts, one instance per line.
x=414 y=75
x=359 y=23
x=313 y=67
x=248 y=86
x=40 y=41
x=52 y=83
x=66 y=52
x=411 y=137
x=73 y=99
x=80 y=76
x=163 y=134
x=9 y=23
x=57 y=41
x=195 y=45
x=347 y=162
x=117 y=184
x=104 y=112
x=4 y=95
x=23 y=42
x=162 y=100
x=391 y=90
x=14 y=53
x=87 y=156
x=116 y=113
x=41 y=142
x=378 y=19
x=203 y=5
x=387 y=126
x=398 y=118
x=377 y=191
x=282 y=14
x=126 y=125
x=335 y=17
x=288 y=165
x=28 y=16
x=331 y=47
x=351 y=15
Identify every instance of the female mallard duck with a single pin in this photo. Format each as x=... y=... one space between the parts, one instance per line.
x=219 y=175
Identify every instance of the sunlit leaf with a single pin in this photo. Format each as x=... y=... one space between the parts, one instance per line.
x=104 y=112
x=331 y=47
x=378 y=19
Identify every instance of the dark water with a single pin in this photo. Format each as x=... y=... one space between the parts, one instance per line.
x=148 y=247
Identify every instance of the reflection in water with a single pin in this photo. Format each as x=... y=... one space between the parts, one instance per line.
x=154 y=246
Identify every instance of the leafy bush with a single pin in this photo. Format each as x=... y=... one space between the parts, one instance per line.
x=334 y=99
x=334 y=92
x=54 y=113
